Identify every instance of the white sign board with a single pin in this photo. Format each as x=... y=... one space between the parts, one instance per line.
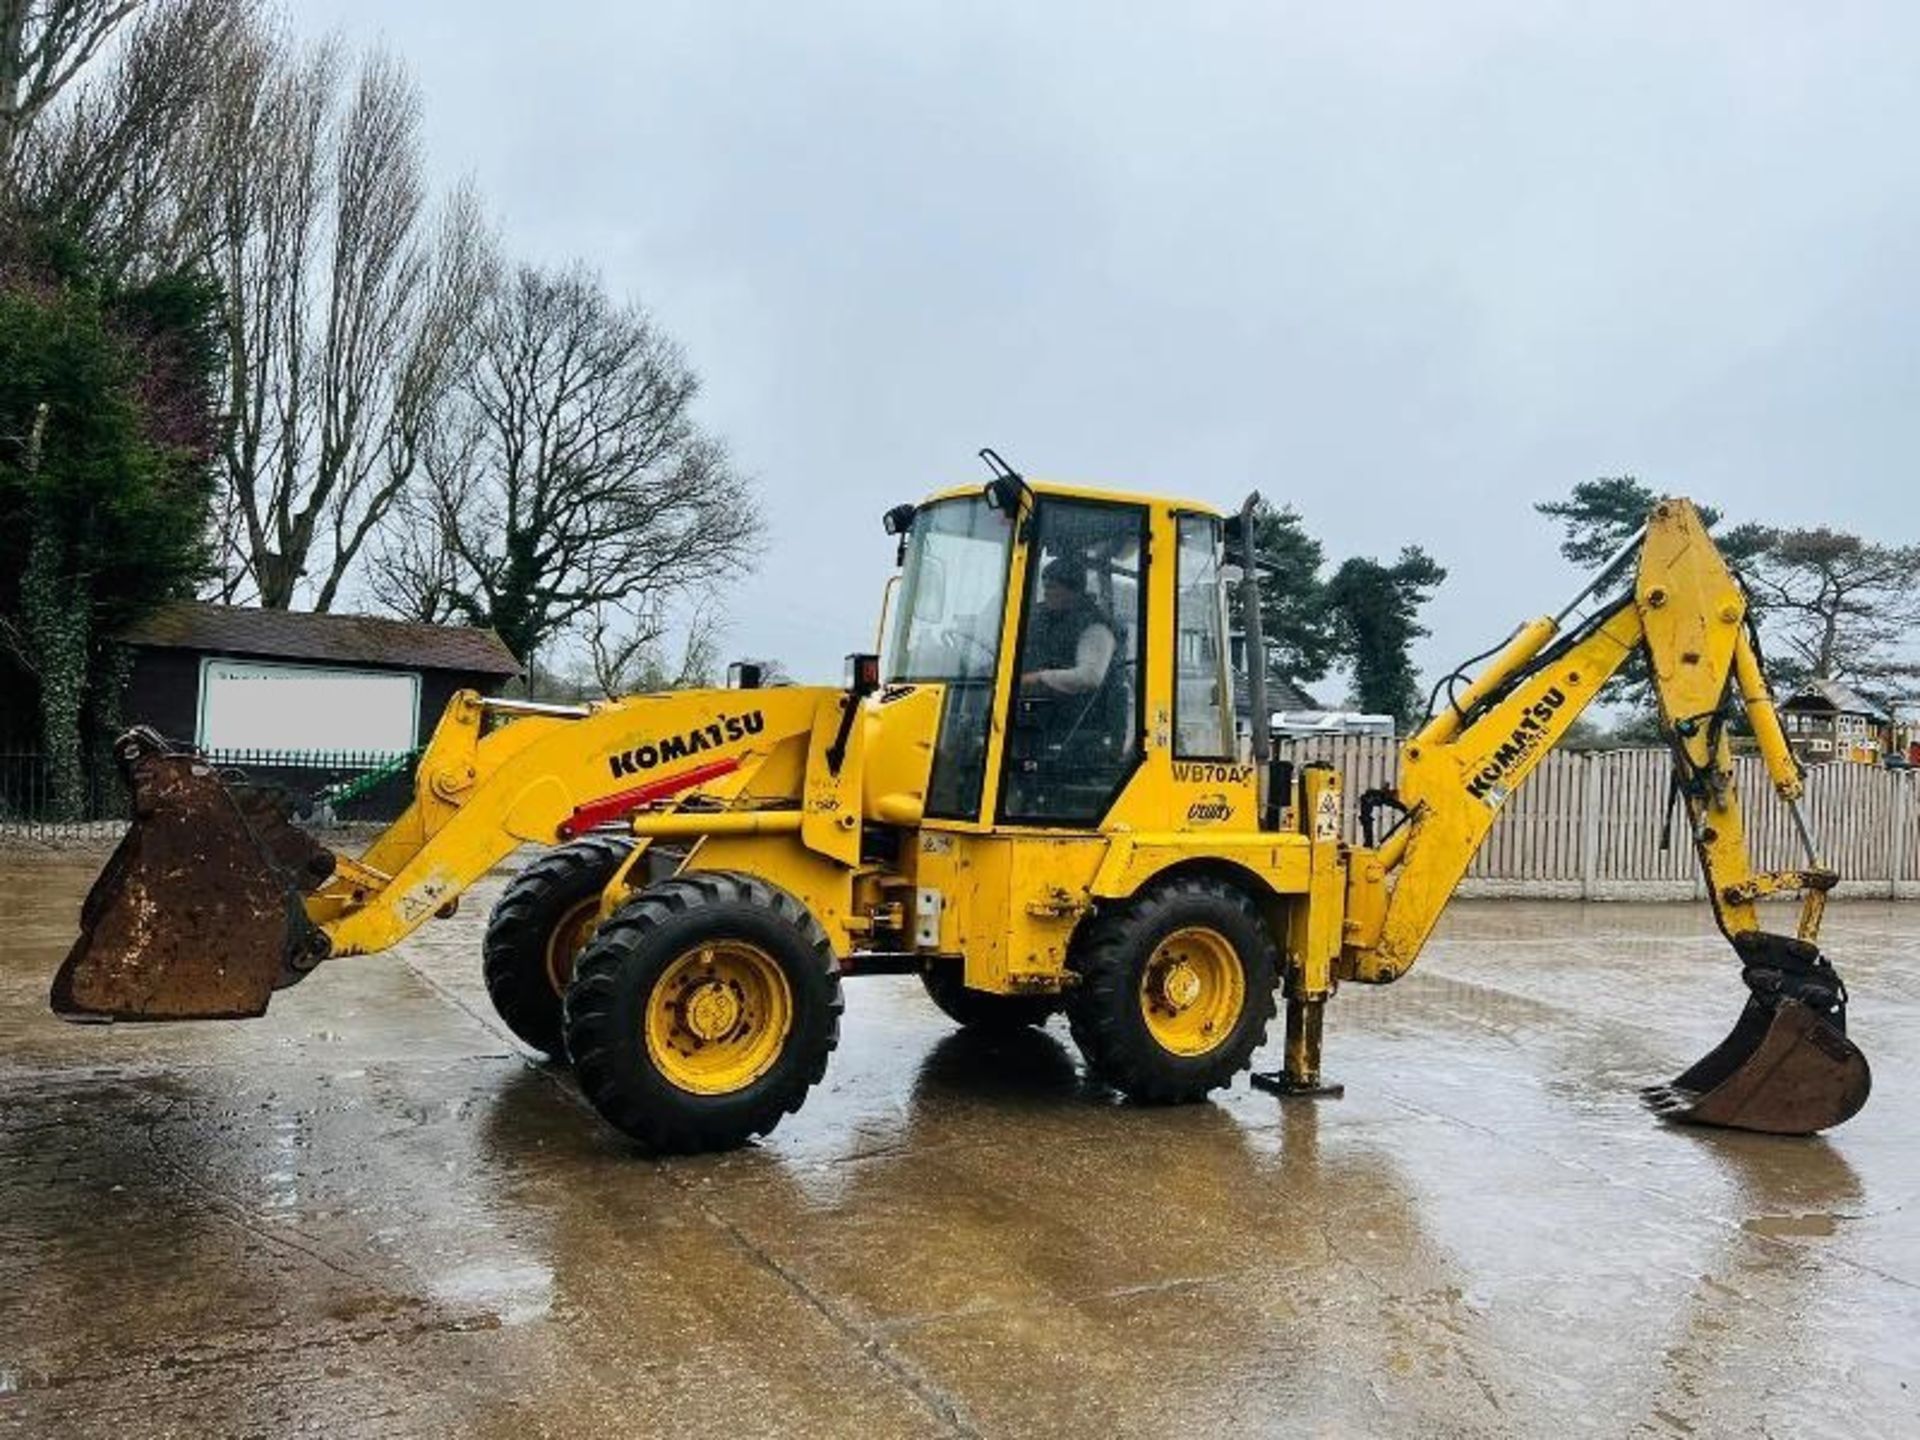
x=255 y=705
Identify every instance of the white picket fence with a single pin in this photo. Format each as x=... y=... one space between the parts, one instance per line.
x=1587 y=825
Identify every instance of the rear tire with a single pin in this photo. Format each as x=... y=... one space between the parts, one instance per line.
x=1176 y=989
x=537 y=930
x=979 y=1010
x=703 y=1011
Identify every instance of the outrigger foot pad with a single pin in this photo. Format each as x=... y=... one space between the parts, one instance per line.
x=1278 y=1082
x=1788 y=1067
x=199 y=914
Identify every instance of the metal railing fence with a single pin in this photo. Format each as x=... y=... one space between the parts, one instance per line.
x=324 y=787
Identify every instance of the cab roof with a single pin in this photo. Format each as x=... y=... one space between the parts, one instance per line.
x=1071 y=491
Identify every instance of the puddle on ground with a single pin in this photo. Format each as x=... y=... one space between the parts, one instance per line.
x=1791 y=1226
x=516 y=1292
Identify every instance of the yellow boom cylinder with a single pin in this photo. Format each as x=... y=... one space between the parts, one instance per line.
x=1528 y=641
x=1765 y=720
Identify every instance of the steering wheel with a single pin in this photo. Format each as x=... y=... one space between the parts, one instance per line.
x=955 y=638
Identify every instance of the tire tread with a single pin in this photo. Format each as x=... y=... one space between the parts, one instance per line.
x=1103 y=1009
x=513 y=954
x=622 y=946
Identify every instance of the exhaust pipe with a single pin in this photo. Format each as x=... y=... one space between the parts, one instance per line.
x=200 y=912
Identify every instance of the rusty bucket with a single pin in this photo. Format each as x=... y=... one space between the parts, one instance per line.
x=1788 y=1067
x=199 y=914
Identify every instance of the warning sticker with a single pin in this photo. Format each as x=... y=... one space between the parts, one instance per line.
x=1326 y=816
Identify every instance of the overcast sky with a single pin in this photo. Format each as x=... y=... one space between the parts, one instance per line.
x=1408 y=268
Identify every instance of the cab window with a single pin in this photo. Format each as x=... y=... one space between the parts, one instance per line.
x=1073 y=735
x=946 y=628
x=1202 y=685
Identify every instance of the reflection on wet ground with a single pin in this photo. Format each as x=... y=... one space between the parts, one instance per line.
x=367 y=1214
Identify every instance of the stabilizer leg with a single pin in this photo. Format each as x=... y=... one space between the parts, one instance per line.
x=1300 y=1080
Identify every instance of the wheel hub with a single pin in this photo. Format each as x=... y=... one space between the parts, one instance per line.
x=566 y=940
x=711 y=1011
x=1179 y=986
x=718 y=1017
x=1192 y=991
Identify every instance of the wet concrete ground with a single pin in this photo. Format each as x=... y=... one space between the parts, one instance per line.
x=367 y=1215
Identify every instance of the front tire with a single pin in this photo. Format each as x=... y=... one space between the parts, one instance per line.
x=703 y=1011
x=1176 y=989
x=538 y=929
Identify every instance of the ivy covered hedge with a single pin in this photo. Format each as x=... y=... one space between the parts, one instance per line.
x=108 y=424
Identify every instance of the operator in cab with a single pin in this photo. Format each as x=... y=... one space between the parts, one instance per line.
x=1070 y=639
x=1071 y=697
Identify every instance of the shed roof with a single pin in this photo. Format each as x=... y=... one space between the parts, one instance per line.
x=1832 y=695
x=340 y=639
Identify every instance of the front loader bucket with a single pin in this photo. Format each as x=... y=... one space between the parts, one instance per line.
x=1788 y=1067
x=198 y=914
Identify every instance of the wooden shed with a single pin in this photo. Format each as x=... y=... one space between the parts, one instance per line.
x=245 y=681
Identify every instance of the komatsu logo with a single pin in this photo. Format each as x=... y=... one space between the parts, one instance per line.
x=1526 y=738
x=649 y=753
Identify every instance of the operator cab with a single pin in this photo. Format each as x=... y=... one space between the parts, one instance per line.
x=1040 y=595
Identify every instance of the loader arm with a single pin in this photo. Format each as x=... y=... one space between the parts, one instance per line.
x=1688 y=614
x=544 y=779
x=251 y=905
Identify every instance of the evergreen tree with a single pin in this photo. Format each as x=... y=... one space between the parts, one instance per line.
x=1297 y=628
x=1376 y=610
x=106 y=431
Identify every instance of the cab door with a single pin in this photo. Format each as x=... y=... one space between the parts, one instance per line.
x=1075 y=719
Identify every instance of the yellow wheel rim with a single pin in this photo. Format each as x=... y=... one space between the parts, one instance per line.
x=568 y=938
x=718 y=1017
x=1193 y=990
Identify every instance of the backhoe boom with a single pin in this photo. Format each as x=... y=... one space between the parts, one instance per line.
x=1687 y=614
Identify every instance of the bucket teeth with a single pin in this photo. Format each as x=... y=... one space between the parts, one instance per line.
x=1666 y=1100
x=199 y=913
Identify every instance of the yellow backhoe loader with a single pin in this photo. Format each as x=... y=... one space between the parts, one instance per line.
x=1036 y=803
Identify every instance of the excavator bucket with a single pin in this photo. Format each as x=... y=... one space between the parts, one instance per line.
x=198 y=915
x=1788 y=1067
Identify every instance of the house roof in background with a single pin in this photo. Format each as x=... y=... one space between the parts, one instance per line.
x=338 y=639
x=1832 y=695
x=1282 y=694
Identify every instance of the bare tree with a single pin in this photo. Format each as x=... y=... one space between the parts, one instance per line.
x=571 y=492
x=414 y=571
x=112 y=163
x=1841 y=607
x=44 y=45
x=342 y=311
x=625 y=661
